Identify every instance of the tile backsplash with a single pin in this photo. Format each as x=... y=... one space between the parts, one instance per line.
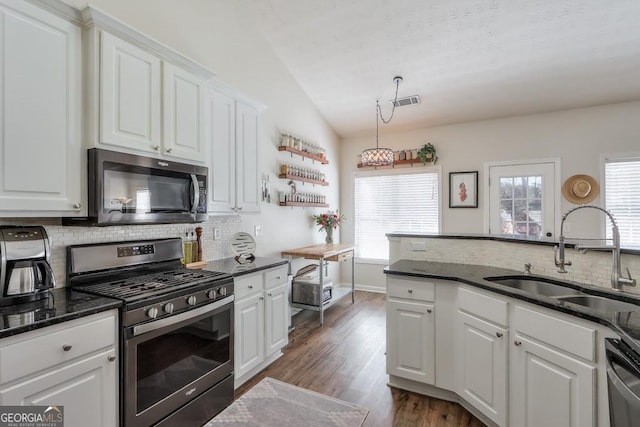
x=62 y=236
x=593 y=268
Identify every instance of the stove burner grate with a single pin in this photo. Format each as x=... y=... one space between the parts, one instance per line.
x=135 y=288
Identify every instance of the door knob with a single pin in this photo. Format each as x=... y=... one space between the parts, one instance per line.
x=499 y=334
x=66 y=347
x=169 y=150
x=517 y=343
x=77 y=205
x=111 y=358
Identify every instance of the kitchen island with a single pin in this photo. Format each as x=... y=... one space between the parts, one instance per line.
x=460 y=332
x=322 y=253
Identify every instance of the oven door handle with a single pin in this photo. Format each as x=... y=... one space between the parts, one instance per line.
x=168 y=321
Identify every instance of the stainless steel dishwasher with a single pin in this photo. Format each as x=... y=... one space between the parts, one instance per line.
x=623 y=378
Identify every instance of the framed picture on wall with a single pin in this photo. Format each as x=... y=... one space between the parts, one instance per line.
x=463 y=189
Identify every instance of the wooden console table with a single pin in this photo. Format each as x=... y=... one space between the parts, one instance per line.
x=337 y=252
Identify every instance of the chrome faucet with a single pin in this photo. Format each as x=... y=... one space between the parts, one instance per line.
x=617 y=280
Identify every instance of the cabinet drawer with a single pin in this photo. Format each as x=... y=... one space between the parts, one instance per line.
x=53 y=345
x=247 y=285
x=566 y=335
x=483 y=306
x=275 y=277
x=410 y=289
x=341 y=257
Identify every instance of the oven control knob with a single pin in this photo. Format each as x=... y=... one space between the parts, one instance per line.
x=211 y=294
x=152 y=312
x=192 y=300
x=222 y=291
x=168 y=308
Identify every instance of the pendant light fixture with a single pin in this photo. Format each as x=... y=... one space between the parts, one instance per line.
x=381 y=156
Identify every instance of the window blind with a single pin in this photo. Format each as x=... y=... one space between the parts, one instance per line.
x=393 y=203
x=622 y=198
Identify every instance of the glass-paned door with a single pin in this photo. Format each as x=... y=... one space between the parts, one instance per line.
x=522 y=199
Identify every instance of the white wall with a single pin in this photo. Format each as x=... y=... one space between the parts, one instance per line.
x=577 y=137
x=215 y=34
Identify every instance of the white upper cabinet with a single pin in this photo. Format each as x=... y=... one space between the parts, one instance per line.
x=40 y=86
x=183 y=113
x=144 y=97
x=129 y=95
x=233 y=165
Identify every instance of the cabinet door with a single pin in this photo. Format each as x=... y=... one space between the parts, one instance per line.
x=249 y=334
x=87 y=388
x=183 y=109
x=40 y=87
x=276 y=322
x=549 y=387
x=481 y=365
x=129 y=96
x=411 y=340
x=222 y=169
x=247 y=136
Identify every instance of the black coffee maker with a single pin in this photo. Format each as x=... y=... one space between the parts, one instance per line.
x=25 y=273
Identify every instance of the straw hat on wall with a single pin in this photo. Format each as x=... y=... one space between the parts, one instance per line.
x=580 y=189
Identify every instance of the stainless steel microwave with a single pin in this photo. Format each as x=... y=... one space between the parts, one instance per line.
x=130 y=189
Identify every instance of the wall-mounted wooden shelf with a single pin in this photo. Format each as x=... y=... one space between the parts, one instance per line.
x=398 y=163
x=304 y=154
x=301 y=179
x=305 y=205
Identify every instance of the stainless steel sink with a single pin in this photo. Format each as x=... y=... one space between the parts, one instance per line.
x=600 y=304
x=535 y=285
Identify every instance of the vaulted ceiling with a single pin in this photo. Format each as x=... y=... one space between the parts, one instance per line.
x=466 y=59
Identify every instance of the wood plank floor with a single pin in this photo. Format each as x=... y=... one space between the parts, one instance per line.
x=345 y=359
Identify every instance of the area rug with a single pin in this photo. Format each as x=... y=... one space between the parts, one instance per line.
x=274 y=403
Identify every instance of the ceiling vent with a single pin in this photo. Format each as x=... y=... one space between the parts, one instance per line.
x=409 y=100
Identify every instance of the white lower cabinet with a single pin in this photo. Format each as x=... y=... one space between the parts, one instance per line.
x=553 y=370
x=514 y=363
x=549 y=387
x=72 y=364
x=481 y=374
x=276 y=323
x=249 y=335
x=411 y=330
x=261 y=324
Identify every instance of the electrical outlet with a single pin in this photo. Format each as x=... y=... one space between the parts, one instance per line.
x=216 y=234
x=418 y=246
x=257 y=230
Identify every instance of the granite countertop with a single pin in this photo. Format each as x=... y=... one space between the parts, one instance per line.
x=65 y=304
x=233 y=267
x=62 y=305
x=626 y=324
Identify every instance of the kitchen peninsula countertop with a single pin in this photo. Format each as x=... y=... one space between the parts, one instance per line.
x=233 y=267
x=63 y=304
x=627 y=324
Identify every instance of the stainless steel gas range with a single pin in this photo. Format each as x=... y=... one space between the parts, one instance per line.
x=176 y=335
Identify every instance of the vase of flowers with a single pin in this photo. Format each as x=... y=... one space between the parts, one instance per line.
x=328 y=222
